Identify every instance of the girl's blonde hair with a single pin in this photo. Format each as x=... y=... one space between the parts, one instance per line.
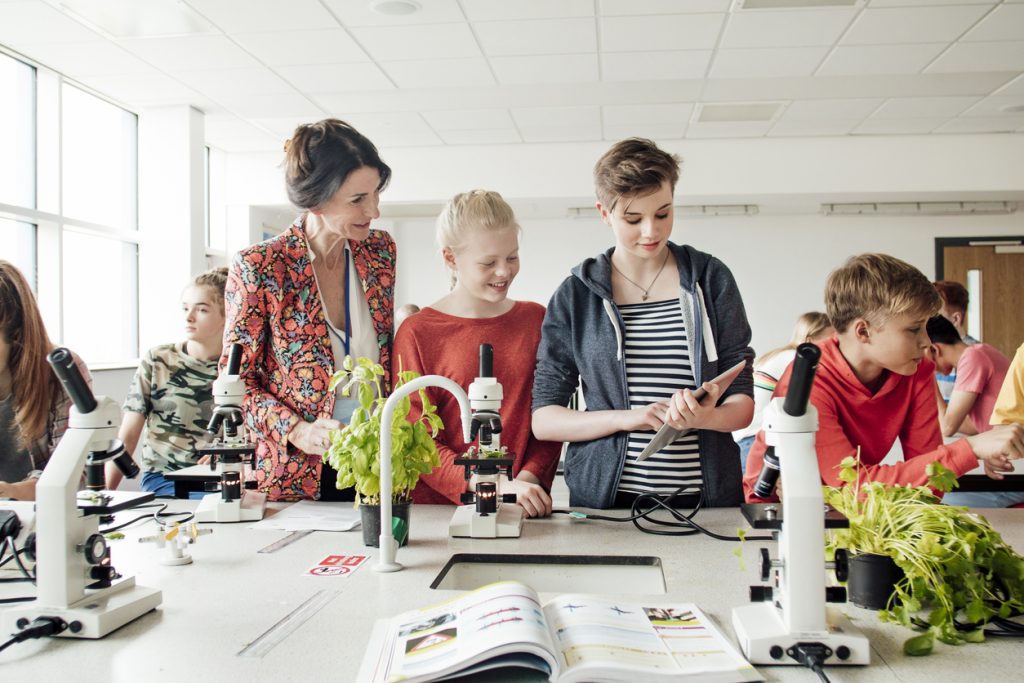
x=809 y=326
x=216 y=279
x=471 y=213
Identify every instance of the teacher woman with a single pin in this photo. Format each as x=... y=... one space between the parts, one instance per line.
x=300 y=302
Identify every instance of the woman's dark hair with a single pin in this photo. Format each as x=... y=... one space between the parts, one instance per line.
x=320 y=156
x=941 y=331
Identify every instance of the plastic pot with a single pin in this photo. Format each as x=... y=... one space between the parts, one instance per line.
x=872 y=580
x=370 y=516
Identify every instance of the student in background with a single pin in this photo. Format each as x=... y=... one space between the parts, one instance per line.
x=33 y=407
x=403 y=312
x=979 y=370
x=171 y=395
x=875 y=384
x=954 y=309
x=479 y=239
x=642 y=326
x=810 y=327
x=302 y=301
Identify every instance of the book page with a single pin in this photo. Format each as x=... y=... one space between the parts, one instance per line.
x=602 y=639
x=439 y=641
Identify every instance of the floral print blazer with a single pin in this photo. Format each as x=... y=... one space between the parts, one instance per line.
x=273 y=310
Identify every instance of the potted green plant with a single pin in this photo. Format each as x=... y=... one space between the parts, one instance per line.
x=355 y=449
x=957 y=572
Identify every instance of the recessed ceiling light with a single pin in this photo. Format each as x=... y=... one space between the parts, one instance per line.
x=396 y=8
x=1012 y=108
x=133 y=19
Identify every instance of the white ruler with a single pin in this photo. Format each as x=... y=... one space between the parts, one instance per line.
x=284 y=628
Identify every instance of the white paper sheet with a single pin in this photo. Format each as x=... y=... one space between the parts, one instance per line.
x=308 y=515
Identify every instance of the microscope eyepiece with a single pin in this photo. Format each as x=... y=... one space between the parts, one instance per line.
x=800 y=381
x=234 y=359
x=486 y=360
x=78 y=391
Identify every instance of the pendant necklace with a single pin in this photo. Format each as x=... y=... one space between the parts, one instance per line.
x=645 y=295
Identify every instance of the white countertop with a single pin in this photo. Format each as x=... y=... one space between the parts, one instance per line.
x=231 y=595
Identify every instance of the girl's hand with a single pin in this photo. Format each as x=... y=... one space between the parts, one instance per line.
x=686 y=412
x=646 y=419
x=532 y=497
x=313 y=437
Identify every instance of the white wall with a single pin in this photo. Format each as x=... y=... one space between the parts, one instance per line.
x=780 y=261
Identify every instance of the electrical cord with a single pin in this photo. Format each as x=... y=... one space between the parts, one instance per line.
x=39 y=628
x=157 y=514
x=813 y=656
x=646 y=504
x=16 y=556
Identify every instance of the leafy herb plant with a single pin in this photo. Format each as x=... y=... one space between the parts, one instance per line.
x=959 y=573
x=355 y=449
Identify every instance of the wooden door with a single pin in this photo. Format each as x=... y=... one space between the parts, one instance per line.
x=994 y=276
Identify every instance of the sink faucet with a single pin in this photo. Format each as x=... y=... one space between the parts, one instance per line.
x=387 y=542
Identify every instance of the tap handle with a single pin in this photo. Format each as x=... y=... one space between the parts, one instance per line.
x=486 y=360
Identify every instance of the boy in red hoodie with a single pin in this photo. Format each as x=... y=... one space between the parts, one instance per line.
x=875 y=383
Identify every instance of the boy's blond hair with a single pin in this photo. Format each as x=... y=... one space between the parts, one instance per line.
x=878 y=287
x=469 y=213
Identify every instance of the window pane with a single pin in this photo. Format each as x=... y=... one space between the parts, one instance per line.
x=974 y=304
x=216 y=236
x=100 y=297
x=99 y=160
x=18 y=245
x=17 y=133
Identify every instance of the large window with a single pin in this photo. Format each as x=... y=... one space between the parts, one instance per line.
x=68 y=208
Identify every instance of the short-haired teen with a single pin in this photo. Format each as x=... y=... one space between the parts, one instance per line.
x=875 y=383
x=640 y=327
x=479 y=239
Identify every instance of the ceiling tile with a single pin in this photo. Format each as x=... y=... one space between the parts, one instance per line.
x=550 y=36
x=317 y=78
x=500 y=10
x=545 y=69
x=1006 y=22
x=394 y=129
x=921 y=126
x=767 y=62
x=430 y=41
x=879 y=59
x=654 y=66
x=562 y=133
x=238 y=16
x=633 y=8
x=234 y=82
x=188 y=52
x=139 y=90
x=539 y=117
x=25 y=23
x=829 y=110
x=97 y=58
x=731 y=129
x=809 y=128
x=999 y=124
x=651 y=131
x=912 y=24
x=468 y=119
x=497 y=136
x=786 y=28
x=1014 y=87
x=994 y=107
x=963 y=57
x=659 y=114
x=440 y=73
x=288 y=48
x=359 y=13
x=272 y=107
x=643 y=34
x=922 y=3
x=232 y=134
x=284 y=126
x=923 y=107
x=844 y=87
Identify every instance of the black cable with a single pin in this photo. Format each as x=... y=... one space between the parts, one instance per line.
x=645 y=504
x=16 y=556
x=11 y=601
x=157 y=514
x=39 y=628
x=813 y=656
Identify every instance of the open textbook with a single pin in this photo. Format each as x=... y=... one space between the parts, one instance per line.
x=571 y=638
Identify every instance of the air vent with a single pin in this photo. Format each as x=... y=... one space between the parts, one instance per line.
x=737 y=111
x=683 y=210
x=919 y=208
x=739 y=5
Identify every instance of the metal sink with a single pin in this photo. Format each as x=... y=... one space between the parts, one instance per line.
x=555 y=573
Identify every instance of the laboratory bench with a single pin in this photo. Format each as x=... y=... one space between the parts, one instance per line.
x=232 y=595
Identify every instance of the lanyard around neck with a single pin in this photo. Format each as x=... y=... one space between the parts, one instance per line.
x=348 y=315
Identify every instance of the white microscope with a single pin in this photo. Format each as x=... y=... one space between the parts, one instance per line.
x=229 y=451
x=79 y=593
x=792 y=621
x=484 y=515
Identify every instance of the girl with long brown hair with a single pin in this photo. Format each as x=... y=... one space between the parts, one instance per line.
x=33 y=407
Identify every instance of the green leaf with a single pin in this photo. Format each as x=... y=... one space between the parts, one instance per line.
x=918 y=646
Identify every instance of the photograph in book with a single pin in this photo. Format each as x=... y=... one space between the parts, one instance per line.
x=504 y=626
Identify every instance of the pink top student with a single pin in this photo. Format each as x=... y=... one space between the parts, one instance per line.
x=981 y=371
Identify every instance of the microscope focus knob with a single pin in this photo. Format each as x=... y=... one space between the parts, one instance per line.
x=508 y=498
x=835 y=594
x=766 y=564
x=760 y=593
x=842 y=565
x=94 y=549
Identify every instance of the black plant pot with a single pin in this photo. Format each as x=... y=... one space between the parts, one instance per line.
x=872 y=580
x=370 y=515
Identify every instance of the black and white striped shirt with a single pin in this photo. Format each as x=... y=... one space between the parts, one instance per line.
x=657 y=353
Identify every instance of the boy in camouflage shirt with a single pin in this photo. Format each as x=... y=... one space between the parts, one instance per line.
x=171 y=394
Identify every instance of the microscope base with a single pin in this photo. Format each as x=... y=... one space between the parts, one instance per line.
x=249 y=508
x=506 y=523
x=759 y=628
x=98 y=613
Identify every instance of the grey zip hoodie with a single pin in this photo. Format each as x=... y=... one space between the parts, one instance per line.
x=582 y=339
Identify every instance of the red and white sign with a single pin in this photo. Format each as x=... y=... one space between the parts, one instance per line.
x=337 y=565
